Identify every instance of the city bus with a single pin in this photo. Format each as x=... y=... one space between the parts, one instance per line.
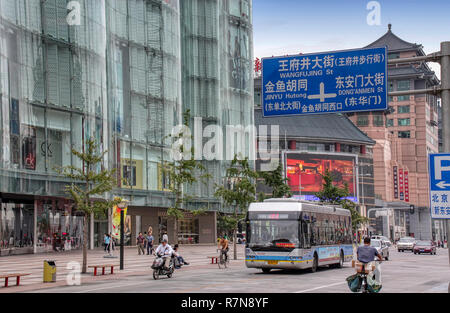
x=295 y=234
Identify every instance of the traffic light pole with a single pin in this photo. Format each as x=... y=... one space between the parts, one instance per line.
x=442 y=57
x=445 y=98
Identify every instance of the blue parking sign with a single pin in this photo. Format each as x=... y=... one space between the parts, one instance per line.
x=329 y=82
x=439 y=170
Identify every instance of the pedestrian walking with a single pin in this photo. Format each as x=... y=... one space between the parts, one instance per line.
x=105 y=239
x=149 y=244
x=108 y=243
x=165 y=237
x=145 y=240
x=140 y=244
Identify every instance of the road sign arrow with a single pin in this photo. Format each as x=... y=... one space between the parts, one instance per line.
x=442 y=185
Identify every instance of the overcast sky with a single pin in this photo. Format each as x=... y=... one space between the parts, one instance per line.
x=304 y=26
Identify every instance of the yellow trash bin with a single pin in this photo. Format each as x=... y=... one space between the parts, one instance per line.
x=49 y=271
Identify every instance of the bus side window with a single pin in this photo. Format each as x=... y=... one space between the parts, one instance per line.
x=312 y=231
x=306 y=231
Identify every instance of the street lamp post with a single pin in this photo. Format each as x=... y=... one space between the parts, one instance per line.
x=121 y=238
x=121 y=206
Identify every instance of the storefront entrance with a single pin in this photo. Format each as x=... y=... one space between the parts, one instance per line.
x=188 y=230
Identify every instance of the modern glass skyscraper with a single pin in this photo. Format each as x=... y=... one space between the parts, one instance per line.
x=121 y=71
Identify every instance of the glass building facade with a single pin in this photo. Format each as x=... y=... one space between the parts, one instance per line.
x=121 y=71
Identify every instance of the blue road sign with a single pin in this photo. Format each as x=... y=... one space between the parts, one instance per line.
x=329 y=82
x=439 y=168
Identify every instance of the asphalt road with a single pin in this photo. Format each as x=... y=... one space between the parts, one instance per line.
x=403 y=273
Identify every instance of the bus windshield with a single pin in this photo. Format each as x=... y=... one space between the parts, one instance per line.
x=281 y=233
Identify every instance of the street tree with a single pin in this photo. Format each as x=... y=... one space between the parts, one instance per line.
x=225 y=223
x=275 y=180
x=336 y=195
x=182 y=171
x=238 y=192
x=89 y=185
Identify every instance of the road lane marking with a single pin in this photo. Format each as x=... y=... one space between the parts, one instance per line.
x=326 y=286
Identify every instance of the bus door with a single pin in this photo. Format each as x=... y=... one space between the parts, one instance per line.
x=305 y=230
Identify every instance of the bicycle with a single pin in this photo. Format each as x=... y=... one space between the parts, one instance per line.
x=223 y=261
x=363 y=272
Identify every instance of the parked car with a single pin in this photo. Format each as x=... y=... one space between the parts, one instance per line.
x=406 y=243
x=384 y=238
x=424 y=246
x=381 y=247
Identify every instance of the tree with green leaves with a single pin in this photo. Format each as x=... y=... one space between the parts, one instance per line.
x=89 y=186
x=182 y=170
x=275 y=180
x=239 y=191
x=225 y=223
x=336 y=195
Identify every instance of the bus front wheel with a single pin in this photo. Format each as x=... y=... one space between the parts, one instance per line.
x=266 y=270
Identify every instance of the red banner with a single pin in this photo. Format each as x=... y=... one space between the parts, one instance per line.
x=395 y=182
x=406 y=181
x=400 y=183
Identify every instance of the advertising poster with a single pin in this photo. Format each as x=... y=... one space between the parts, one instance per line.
x=29 y=148
x=116 y=223
x=304 y=172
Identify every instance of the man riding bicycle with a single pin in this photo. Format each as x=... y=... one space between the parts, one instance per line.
x=367 y=253
x=223 y=246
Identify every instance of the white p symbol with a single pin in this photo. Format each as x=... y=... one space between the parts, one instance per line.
x=438 y=168
x=74 y=16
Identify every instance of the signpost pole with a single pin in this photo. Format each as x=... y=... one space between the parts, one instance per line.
x=445 y=97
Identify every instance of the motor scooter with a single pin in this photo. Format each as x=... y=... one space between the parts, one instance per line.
x=158 y=267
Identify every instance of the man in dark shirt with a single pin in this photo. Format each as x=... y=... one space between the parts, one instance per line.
x=367 y=253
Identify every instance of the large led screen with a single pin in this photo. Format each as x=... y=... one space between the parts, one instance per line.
x=304 y=172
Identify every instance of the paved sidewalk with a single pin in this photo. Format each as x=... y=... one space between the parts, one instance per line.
x=134 y=264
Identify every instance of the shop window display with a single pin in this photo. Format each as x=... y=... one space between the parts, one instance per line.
x=59 y=226
x=16 y=225
x=188 y=230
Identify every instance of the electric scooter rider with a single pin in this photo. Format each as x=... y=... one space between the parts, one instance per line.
x=165 y=251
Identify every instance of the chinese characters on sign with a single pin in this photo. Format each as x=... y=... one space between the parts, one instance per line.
x=439 y=167
x=400 y=183
x=257 y=66
x=406 y=182
x=395 y=183
x=346 y=81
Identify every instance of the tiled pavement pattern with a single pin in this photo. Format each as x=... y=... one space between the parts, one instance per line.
x=134 y=264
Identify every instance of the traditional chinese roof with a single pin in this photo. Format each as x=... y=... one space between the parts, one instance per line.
x=318 y=128
x=395 y=44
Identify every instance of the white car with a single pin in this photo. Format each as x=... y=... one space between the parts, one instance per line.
x=381 y=247
x=383 y=238
x=406 y=243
